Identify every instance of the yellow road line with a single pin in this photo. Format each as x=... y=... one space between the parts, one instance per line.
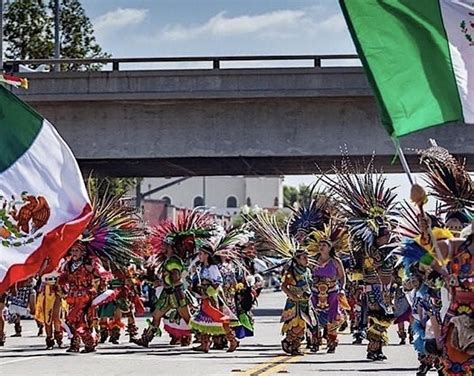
x=255 y=370
x=281 y=366
x=272 y=366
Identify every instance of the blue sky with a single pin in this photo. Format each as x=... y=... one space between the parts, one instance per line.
x=218 y=27
x=141 y=28
x=224 y=27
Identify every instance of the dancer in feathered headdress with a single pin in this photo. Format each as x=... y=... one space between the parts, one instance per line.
x=233 y=263
x=369 y=208
x=215 y=283
x=329 y=279
x=296 y=281
x=421 y=268
x=109 y=238
x=307 y=218
x=175 y=244
x=451 y=184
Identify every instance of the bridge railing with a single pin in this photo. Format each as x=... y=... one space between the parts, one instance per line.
x=215 y=62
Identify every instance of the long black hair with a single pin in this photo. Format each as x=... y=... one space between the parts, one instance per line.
x=212 y=259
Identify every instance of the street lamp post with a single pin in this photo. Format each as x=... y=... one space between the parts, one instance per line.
x=57 y=46
x=203 y=191
x=1 y=36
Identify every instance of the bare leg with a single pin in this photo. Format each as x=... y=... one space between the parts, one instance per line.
x=185 y=314
x=17 y=327
x=401 y=333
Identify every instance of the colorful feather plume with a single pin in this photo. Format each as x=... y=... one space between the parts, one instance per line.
x=113 y=232
x=410 y=250
x=333 y=232
x=449 y=181
x=229 y=244
x=411 y=253
x=230 y=240
x=274 y=237
x=307 y=218
x=366 y=202
x=190 y=227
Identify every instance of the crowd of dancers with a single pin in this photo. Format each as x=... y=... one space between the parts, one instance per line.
x=355 y=255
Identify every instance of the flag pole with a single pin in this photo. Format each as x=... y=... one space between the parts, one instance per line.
x=403 y=160
x=406 y=167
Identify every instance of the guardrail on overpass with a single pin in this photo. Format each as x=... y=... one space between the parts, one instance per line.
x=215 y=62
x=219 y=121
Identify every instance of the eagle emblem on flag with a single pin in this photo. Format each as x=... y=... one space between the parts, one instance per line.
x=467 y=28
x=21 y=219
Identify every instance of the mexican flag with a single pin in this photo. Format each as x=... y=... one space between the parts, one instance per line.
x=419 y=58
x=44 y=205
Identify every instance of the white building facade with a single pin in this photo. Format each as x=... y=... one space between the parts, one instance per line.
x=224 y=194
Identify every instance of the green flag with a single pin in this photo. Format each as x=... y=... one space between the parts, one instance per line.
x=419 y=58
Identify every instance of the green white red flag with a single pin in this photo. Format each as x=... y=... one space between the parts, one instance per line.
x=44 y=205
x=419 y=57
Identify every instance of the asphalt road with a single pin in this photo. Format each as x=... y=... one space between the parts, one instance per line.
x=259 y=355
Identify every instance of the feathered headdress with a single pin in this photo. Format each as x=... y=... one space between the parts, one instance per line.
x=366 y=202
x=411 y=249
x=449 y=182
x=274 y=236
x=334 y=233
x=226 y=240
x=228 y=244
x=307 y=218
x=182 y=235
x=113 y=232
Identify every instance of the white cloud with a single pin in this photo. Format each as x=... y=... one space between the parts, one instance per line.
x=119 y=18
x=221 y=25
x=335 y=23
x=305 y=30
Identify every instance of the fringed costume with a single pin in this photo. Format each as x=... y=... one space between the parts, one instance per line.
x=296 y=281
x=422 y=284
x=173 y=245
x=51 y=309
x=215 y=283
x=123 y=300
x=451 y=184
x=108 y=239
x=21 y=301
x=328 y=283
x=369 y=208
x=78 y=278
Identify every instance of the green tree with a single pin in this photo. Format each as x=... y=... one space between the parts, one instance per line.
x=111 y=186
x=290 y=195
x=77 y=35
x=301 y=195
x=27 y=30
x=305 y=194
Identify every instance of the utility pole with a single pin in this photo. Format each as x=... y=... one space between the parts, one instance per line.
x=57 y=45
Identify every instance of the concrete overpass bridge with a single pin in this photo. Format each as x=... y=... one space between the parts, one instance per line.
x=220 y=120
